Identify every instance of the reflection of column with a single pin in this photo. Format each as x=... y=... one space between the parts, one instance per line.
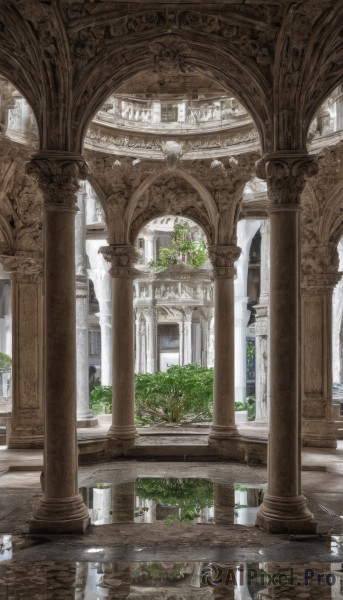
x=262 y=340
x=117 y=580
x=123 y=502
x=27 y=428
x=62 y=509
x=318 y=426
x=187 y=337
x=151 y=337
x=223 y=258
x=284 y=508
x=122 y=272
x=224 y=503
x=84 y=414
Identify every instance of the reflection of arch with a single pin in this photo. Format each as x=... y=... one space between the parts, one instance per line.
x=199 y=188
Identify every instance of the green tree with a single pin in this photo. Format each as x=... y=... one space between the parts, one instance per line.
x=5 y=363
x=183 y=248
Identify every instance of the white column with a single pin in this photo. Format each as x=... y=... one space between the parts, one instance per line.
x=151 y=339
x=187 y=337
x=245 y=233
x=210 y=338
x=337 y=316
x=149 y=249
x=84 y=414
x=262 y=329
x=98 y=273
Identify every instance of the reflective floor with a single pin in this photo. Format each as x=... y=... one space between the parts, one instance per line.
x=173 y=500
x=170 y=581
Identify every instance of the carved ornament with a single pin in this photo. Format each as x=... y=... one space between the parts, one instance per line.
x=122 y=259
x=286 y=176
x=58 y=175
x=223 y=259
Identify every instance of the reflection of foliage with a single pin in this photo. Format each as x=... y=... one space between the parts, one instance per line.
x=173 y=394
x=160 y=573
x=183 y=248
x=190 y=495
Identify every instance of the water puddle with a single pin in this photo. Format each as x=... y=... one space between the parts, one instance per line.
x=5 y=547
x=170 y=500
x=170 y=581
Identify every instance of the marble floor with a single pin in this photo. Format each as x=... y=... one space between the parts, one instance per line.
x=172 y=531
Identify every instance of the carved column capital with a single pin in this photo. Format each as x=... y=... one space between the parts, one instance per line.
x=319 y=267
x=23 y=265
x=122 y=259
x=57 y=173
x=223 y=259
x=286 y=175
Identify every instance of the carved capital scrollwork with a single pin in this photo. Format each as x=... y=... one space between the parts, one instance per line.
x=22 y=265
x=319 y=267
x=122 y=259
x=223 y=259
x=286 y=176
x=57 y=174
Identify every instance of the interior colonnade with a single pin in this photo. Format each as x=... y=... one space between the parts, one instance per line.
x=67 y=75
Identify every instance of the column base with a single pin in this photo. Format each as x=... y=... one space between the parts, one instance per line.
x=318 y=433
x=222 y=432
x=60 y=515
x=285 y=515
x=23 y=438
x=122 y=433
x=87 y=422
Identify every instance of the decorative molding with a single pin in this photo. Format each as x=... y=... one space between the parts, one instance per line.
x=57 y=174
x=223 y=259
x=122 y=259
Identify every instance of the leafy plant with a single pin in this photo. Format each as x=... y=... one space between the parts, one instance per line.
x=5 y=363
x=175 y=394
x=183 y=248
x=101 y=399
x=190 y=495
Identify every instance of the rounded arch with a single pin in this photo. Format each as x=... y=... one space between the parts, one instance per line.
x=212 y=58
x=212 y=213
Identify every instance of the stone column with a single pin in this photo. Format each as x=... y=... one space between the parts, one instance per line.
x=27 y=427
x=187 y=337
x=138 y=341
x=151 y=339
x=210 y=338
x=149 y=247
x=122 y=258
x=223 y=259
x=337 y=318
x=62 y=509
x=84 y=414
x=318 y=426
x=262 y=326
x=284 y=509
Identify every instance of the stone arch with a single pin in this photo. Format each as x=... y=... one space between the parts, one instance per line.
x=217 y=61
x=208 y=222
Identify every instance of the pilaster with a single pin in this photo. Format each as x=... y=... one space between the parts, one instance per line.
x=223 y=259
x=319 y=277
x=284 y=508
x=27 y=426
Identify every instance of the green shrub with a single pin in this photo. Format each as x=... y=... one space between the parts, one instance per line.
x=5 y=363
x=101 y=399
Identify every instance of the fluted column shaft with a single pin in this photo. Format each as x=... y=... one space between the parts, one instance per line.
x=223 y=258
x=122 y=272
x=62 y=509
x=283 y=508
